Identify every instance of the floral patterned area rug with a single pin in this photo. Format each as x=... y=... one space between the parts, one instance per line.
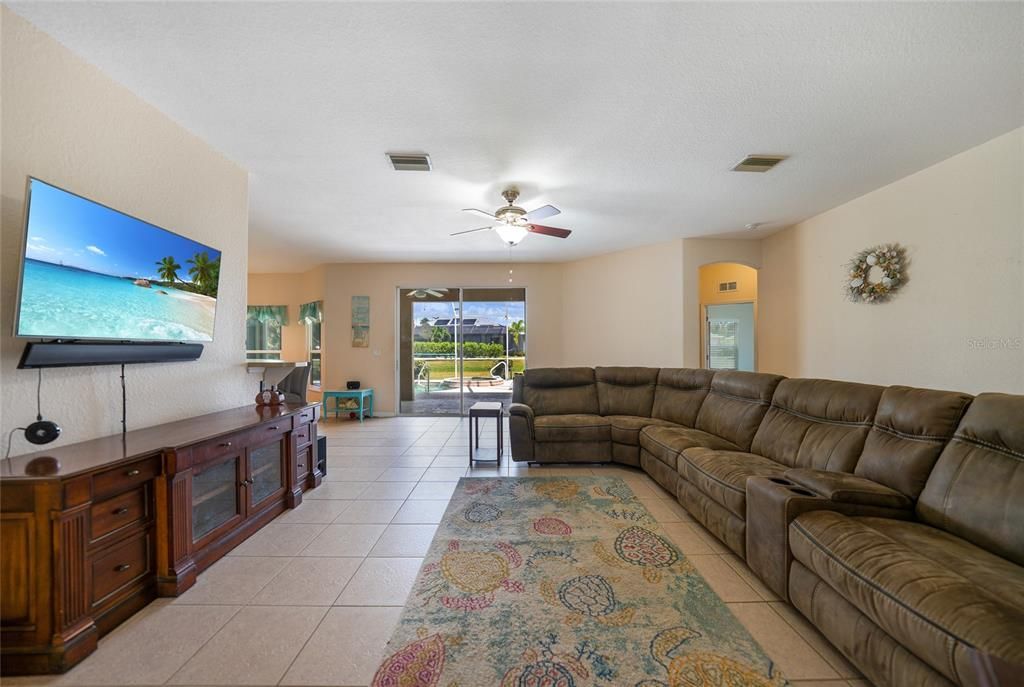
x=563 y=582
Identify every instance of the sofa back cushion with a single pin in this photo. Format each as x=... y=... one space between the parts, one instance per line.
x=911 y=428
x=626 y=390
x=817 y=423
x=560 y=390
x=680 y=393
x=976 y=490
x=736 y=404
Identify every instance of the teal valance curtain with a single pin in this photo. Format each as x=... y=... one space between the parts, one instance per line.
x=268 y=313
x=310 y=313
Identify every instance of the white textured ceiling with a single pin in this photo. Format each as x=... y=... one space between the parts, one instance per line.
x=626 y=116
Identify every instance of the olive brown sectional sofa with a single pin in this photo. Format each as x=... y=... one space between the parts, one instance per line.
x=891 y=517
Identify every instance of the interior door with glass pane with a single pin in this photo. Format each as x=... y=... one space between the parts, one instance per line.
x=729 y=337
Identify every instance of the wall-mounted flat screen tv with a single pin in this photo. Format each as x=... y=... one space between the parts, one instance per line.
x=91 y=272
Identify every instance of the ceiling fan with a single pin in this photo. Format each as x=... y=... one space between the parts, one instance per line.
x=512 y=223
x=424 y=293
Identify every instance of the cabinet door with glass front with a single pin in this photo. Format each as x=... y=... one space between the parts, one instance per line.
x=266 y=480
x=218 y=502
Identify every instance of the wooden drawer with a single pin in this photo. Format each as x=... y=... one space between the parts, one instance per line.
x=125 y=477
x=217 y=448
x=270 y=430
x=301 y=435
x=115 y=568
x=306 y=416
x=303 y=463
x=120 y=511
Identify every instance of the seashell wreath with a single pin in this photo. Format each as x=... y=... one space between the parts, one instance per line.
x=891 y=261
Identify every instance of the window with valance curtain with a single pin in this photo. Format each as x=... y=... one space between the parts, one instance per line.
x=311 y=315
x=263 y=325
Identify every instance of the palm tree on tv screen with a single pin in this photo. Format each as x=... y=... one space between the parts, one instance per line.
x=204 y=272
x=168 y=268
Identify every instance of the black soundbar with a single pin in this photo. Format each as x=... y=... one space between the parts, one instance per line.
x=83 y=353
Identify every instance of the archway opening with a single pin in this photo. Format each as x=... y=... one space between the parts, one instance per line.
x=728 y=306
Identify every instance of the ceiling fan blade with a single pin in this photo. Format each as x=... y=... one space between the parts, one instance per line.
x=548 y=231
x=479 y=212
x=469 y=231
x=423 y=293
x=542 y=212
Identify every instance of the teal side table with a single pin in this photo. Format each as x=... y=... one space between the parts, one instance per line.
x=364 y=396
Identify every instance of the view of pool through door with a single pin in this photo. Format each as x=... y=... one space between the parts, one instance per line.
x=458 y=346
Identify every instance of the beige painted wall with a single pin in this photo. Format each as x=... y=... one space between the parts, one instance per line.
x=376 y=366
x=291 y=290
x=66 y=122
x=624 y=308
x=713 y=275
x=959 y=321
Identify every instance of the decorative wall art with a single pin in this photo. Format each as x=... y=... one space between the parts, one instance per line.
x=875 y=274
x=360 y=321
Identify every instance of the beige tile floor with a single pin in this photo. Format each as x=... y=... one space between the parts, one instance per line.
x=313 y=597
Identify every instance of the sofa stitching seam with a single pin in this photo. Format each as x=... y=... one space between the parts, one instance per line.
x=664 y=446
x=821 y=547
x=715 y=479
x=745 y=399
x=987 y=444
x=822 y=420
x=913 y=437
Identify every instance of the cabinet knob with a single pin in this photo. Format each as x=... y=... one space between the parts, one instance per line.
x=225 y=443
x=273 y=428
x=132 y=473
x=122 y=567
x=121 y=511
x=301 y=465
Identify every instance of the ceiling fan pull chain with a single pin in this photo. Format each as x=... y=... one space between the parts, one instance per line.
x=510 y=263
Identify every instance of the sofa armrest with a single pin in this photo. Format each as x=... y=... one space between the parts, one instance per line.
x=521 y=409
x=842 y=487
x=521 y=435
x=774 y=502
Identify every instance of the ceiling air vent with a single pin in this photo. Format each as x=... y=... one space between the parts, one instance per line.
x=758 y=163
x=727 y=286
x=410 y=162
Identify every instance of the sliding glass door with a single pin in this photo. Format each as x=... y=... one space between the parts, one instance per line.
x=458 y=346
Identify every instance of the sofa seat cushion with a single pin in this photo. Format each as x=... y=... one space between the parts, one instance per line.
x=626 y=428
x=667 y=442
x=722 y=475
x=576 y=427
x=935 y=593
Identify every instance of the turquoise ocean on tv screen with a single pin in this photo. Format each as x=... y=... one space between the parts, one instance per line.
x=66 y=302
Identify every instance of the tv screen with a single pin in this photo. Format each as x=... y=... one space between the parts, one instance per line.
x=90 y=272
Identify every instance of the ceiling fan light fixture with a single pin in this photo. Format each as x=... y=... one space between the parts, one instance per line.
x=511 y=233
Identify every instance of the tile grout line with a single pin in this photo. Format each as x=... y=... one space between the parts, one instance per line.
x=203 y=645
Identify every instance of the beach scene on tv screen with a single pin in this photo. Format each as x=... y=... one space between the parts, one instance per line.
x=94 y=273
